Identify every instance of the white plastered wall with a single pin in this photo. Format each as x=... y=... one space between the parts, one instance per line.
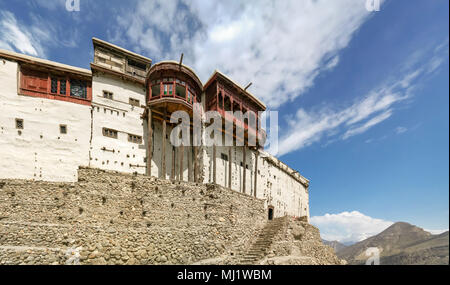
x=117 y=114
x=40 y=152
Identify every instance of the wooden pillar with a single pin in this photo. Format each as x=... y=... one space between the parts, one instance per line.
x=149 y=142
x=181 y=154
x=190 y=164
x=230 y=163
x=214 y=164
x=196 y=164
x=173 y=172
x=256 y=173
x=245 y=169
x=163 y=148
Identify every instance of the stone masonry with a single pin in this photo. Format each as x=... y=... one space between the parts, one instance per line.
x=113 y=218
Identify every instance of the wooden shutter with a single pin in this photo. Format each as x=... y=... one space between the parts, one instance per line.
x=34 y=81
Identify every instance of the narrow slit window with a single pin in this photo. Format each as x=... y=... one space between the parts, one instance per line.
x=62 y=87
x=54 y=85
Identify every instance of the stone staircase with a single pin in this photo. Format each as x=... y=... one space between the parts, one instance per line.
x=259 y=249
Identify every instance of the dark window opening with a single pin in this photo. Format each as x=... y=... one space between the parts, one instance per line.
x=270 y=214
x=63 y=129
x=134 y=102
x=224 y=156
x=220 y=100
x=110 y=133
x=137 y=65
x=78 y=88
x=107 y=95
x=19 y=124
x=180 y=91
x=134 y=139
x=227 y=105
x=156 y=90
x=62 y=87
x=54 y=86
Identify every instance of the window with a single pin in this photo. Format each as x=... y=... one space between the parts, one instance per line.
x=224 y=156
x=78 y=89
x=134 y=102
x=180 y=91
x=62 y=87
x=63 y=129
x=134 y=139
x=168 y=89
x=19 y=124
x=54 y=85
x=156 y=90
x=137 y=65
x=108 y=95
x=110 y=133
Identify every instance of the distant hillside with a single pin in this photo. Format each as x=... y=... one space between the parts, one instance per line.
x=337 y=246
x=401 y=243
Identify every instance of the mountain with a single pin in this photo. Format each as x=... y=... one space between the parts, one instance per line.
x=401 y=243
x=337 y=246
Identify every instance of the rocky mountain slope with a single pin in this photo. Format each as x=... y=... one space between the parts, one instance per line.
x=337 y=246
x=401 y=243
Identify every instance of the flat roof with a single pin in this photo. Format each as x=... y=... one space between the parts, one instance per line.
x=97 y=41
x=250 y=95
x=35 y=60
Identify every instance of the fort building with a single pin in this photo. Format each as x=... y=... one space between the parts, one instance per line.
x=56 y=118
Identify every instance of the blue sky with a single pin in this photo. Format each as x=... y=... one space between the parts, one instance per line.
x=362 y=96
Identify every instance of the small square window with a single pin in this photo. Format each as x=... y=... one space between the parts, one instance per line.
x=63 y=129
x=108 y=95
x=134 y=102
x=224 y=156
x=19 y=124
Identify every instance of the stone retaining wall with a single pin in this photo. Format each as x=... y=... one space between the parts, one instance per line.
x=113 y=218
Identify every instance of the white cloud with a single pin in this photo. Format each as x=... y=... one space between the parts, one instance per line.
x=280 y=46
x=436 y=232
x=307 y=127
x=15 y=36
x=349 y=226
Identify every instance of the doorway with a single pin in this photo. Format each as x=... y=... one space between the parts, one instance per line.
x=271 y=211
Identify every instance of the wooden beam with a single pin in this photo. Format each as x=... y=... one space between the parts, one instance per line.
x=173 y=172
x=149 y=142
x=163 y=150
x=214 y=164
x=245 y=169
x=230 y=163
x=196 y=170
x=181 y=154
x=256 y=173
x=190 y=163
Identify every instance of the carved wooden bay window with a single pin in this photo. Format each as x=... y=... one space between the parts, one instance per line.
x=64 y=87
x=172 y=87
